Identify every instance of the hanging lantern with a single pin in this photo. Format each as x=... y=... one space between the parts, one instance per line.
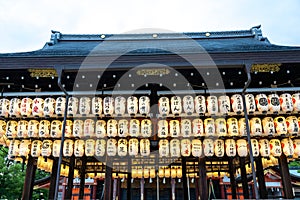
x=209 y=127
x=274 y=103
x=100 y=147
x=163 y=148
x=33 y=128
x=173 y=172
x=144 y=105
x=176 y=105
x=68 y=148
x=56 y=148
x=24 y=148
x=219 y=147
x=36 y=148
x=146 y=172
x=179 y=172
x=15 y=107
x=84 y=106
x=145 y=147
x=78 y=128
x=174 y=128
x=38 y=107
x=286 y=102
x=287 y=146
x=79 y=148
x=242 y=127
x=255 y=127
x=56 y=127
x=230 y=147
x=275 y=147
x=97 y=106
x=200 y=105
x=108 y=106
x=237 y=103
x=122 y=147
x=123 y=128
x=296 y=147
x=46 y=148
x=22 y=129
x=2 y=128
x=232 y=127
x=133 y=147
x=72 y=106
x=221 y=128
x=132 y=105
x=250 y=103
x=268 y=126
x=175 y=148
x=120 y=105
x=224 y=104
x=280 y=126
x=198 y=130
x=68 y=128
x=255 y=147
x=49 y=107
x=11 y=129
x=185 y=147
x=208 y=147
x=14 y=148
x=112 y=128
x=188 y=104
x=167 y=172
x=146 y=128
x=26 y=107
x=161 y=172
x=296 y=101
x=264 y=147
x=111 y=147
x=212 y=105
x=134 y=128
x=60 y=106
x=186 y=128
x=89 y=128
x=90 y=147
x=262 y=103
x=44 y=129
x=242 y=149
x=152 y=173
x=164 y=106
x=163 y=129
x=196 y=148
x=292 y=125
x=100 y=129
x=4 y=107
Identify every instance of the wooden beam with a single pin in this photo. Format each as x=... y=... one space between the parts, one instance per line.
x=263 y=193
x=232 y=178
x=82 y=177
x=244 y=177
x=70 y=178
x=29 y=178
x=53 y=179
x=184 y=179
x=285 y=177
x=203 y=188
x=108 y=184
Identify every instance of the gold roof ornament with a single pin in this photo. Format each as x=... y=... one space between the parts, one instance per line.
x=266 y=67
x=43 y=73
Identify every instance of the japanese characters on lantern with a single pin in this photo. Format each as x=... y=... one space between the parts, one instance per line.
x=144 y=105
x=212 y=105
x=164 y=106
x=120 y=105
x=188 y=104
x=224 y=104
x=286 y=102
x=4 y=107
x=176 y=105
x=134 y=128
x=97 y=106
x=200 y=105
x=250 y=103
x=72 y=106
x=100 y=129
x=49 y=107
x=262 y=103
x=198 y=129
x=84 y=105
x=26 y=106
x=163 y=128
x=274 y=103
x=132 y=105
x=237 y=103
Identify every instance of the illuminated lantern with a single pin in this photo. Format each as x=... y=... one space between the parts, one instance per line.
x=89 y=147
x=200 y=105
x=163 y=129
x=24 y=148
x=292 y=125
x=261 y=101
x=134 y=128
x=174 y=128
x=224 y=104
x=167 y=172
x=14 y=148
x=46 y=148
x=122 y=147
x=230 y=147
x=255 y=147
x=146 y=128
x=120 y=105
x=123 y=128
x=250 y=103
x=84 y=105
x=287 y=146
x=296 y=147
x=186 y=128
x=72 y=106
x=112 y=128
x=237 y=103
x=44 y=129
x=56 y=148
x=100 y=129
x=275 y=147
x=175 y=148
x=286 y=102
x=15 y=107
x=89 y=128
x=79 y=148
x=100 y=147
x=4 y=107
x=78 y=128
x=179 y=172
x=108 y=106
x=161 y=172
x=68 y=128
x=264 y=147
x=280 y=126
x=26 y=107
x=111 y=147
x=152 y=173
x=274 y=103
x=36 y=147
x=296 y=102
x=219 y=147
x=208 y=147
x=145 y=147
x=144 y=105
x=255 y=126
x=146 y=173
x=49 y=107
x=11 y=129
x=133 y=147
x=196 y=148
x=68 y=148
x=232 y=127
x=242 y=127
x=212 y=105
x=221 y=128
x=164 y=106
x=198 y=129
x=132 y=105
x=33 y=128
x=242 y=148
x=60 y=106
x=2 y=128
x=176 y=105
x=56 y=127
x=209 y=127
x=97 y=106
x=173 y=172
x=188 y=104
x=163 y=148
x=185 y=147
x=268 y=126
x=22 y=129
x=38 y=107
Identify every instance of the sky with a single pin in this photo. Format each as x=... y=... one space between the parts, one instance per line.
x=25 y=25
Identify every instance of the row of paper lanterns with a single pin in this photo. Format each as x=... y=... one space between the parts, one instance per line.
x=173 y=148
x=133 y=105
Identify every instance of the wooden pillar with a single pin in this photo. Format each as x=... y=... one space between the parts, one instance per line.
x=184 y=178
x=108 y=185
x=285 y=177
x=82 y=177
x=263 y=193
x=129 y=179
x=232 y=178
x=69 y=189
x=29 y=178
x=244 y=178
x=53 y=179
x=203 y=188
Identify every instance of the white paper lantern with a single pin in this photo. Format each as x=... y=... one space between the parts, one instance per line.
x=89 y=147
x=56 y=148
x=79 y=148
x=163 y=128
x=185 y=147
x=275 y=147
x=97 y=106
x=280 y=126
x=56 y=129
x=230 y=147
x=123 y=128
x=68 y=148
x=60 y=106
x=11 y=129
x=250 y=103
x=122 y=147
x=286 y=102
x=145 y=147
x=221 y=128
x=100 y=129
x=237 y=103
x=188 y=104
x=120 y=105
x=49 y=107
x=268 y=126
x=264 y=147
x=164 y=106
x=209 y=127
x=112 y=129
x=163 y=148
x=224 y=104
x=186 y=128
x=212 y=105
x=287 y=146
x=15 y=107
x=175 y=148
x=46 y=148
x=255 y=126
x=274 y=103
x=134 y=128
x=38 y=107
x=4 y=107
x=2 y=128
x=22 y=129
x=208 y=147
x=174 y=128
x=133 y=147
x=176 y=105
x=255 y=147
x=24 y=148
x=200 y=105
x=84 y=105
x=72 y=106
x=14 y=148
x=242 y=148
x=68 y=128
x=198 y=129
x=26 y=106
x=44 y=129
x=232 y=127
x=111 y=147
x=262 y=103
x=108 y=106
x=197 y=148
x=78 y=128
x=132 y=105
x=296 y=147
x=33 y=128
x=144 y=105
x=36 y=147
x=292 y=125
x=296 y=101
x=100 y=147
x=242 y=127
x=219 y=147
x=146 y=128
x=89 y=128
